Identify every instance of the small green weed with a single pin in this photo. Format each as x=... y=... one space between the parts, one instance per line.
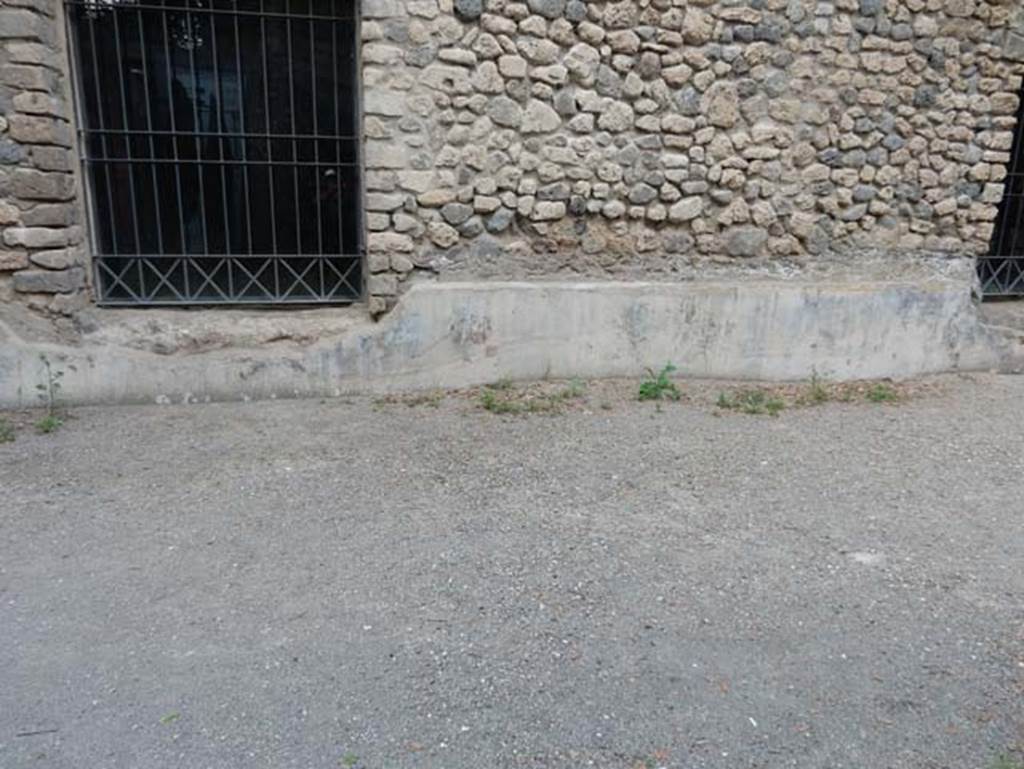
x=491 y=401
x=659 y=386
x=48 y=392
x=816 y=392
x=170 y=718
x=880 y=392
x=575 y=389
x=1003 y=761
x=505 y=383
x=502 y=398
x=751 y=401
x=431 y=399
x=6 y=431
x=349 y=760
x=49 y=424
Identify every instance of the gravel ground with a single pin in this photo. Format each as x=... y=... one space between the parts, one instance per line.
x=425 y=584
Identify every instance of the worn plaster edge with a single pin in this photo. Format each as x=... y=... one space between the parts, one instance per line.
x=452 y=335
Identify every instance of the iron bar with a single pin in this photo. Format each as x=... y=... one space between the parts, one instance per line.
x=240 y=89
x=195 y=126
x=219 y=85
x=149 y=125
x=103 y=140
x=124 y=120
x=174 y=141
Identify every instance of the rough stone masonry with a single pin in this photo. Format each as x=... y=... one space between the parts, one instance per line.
x=640 y=138
x=42 y=259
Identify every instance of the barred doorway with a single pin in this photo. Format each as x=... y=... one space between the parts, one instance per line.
x=1001 y=271
x=219 y=143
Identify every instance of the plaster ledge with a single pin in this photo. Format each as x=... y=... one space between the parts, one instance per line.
x=461 y=334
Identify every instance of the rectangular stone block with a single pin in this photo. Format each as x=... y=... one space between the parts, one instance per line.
x=37 y=237
x=385 y=155
x=39 y=103
x=23 y=52
x=23 y=23
x=381 y=9
x=50 y=215
x=389 y=241
x=49 y=281
x=28 y=77
x=29 y=184
x=384 y=201
x=35 y=129
x=45 y=7
x=47 y=158
x=383 y=102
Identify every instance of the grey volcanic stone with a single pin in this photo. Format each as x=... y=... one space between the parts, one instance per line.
x=745 y=241
x=48 y=281
x=456 y=213
x=550 y=9
x=469 y=10
x=505 y=112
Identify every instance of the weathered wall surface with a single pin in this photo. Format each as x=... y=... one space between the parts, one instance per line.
x=640 y=139
x=42 y=260
x=451 y=334
x=655 y=137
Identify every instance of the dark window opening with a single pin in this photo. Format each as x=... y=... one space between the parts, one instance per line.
x=219 y=140
x=1001 y=271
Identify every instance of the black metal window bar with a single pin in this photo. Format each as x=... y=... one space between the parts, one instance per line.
x=219 y=140
x=1001 y=271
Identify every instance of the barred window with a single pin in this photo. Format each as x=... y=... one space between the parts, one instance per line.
x=219 y=140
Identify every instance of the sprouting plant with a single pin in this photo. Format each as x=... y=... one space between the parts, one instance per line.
x=48 y=392
x=880 y=392
x=659 y=386
x=575 y=389
x=49 y=423
x=490 y=401
x=751 y=401
x=6 y=431
x=49 y=388
x=506 y=399
x=816 y=392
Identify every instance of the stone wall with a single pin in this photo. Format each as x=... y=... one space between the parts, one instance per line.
x=42 y=260
x=632 y=139
x=657 y=137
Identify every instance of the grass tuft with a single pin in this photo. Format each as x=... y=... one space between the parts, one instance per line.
x=751 y=401
x=503 y=398
x=816 y=392
x=880 y=392
x=49 y=424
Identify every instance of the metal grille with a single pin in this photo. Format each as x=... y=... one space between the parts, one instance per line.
x=1002 y=271
x=219 y=139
